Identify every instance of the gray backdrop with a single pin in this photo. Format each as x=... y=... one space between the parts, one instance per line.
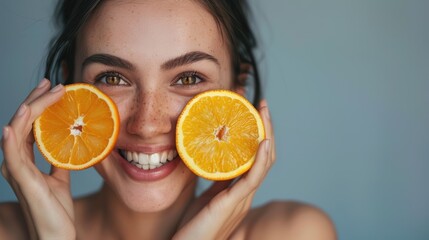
x=347 y=82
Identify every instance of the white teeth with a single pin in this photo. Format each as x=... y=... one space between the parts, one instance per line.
x=163 y=157
x=154 y=159
x=149 y=161
x=143 y=158
x=171 y=155
x=129 y=156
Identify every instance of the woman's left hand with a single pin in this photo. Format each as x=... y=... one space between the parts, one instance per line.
x=221 y=209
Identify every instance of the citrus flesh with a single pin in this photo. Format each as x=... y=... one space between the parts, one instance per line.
x=218 y=134
x=79 y=130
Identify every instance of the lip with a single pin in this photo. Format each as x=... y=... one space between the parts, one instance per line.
x=139 y=174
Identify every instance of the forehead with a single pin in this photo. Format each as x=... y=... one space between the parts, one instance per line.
x=160 y=29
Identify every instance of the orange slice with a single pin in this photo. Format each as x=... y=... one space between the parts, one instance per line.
x=79 y=130
x=218 y=134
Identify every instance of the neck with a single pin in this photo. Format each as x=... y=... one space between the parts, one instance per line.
x=117 y=221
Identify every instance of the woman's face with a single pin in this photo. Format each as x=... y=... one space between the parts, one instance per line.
x=151 y=57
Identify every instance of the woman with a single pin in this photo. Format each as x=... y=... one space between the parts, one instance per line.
x=150 y=57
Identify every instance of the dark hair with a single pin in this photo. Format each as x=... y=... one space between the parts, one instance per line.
x=230 y=15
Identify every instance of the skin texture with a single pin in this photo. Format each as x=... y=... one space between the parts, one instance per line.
x=150 y=92
x=148 y=101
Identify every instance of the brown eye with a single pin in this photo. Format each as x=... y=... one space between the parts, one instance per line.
x=113 y=80
x=189 y=80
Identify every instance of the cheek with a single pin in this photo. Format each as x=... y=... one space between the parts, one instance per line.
x=176 y=105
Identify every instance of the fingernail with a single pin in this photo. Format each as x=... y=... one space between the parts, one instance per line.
x=267 y=113
x=267 y=145
x=5 y=133
x=263 y=103
x=43 y=83
x=57 y=88
x=21 y=110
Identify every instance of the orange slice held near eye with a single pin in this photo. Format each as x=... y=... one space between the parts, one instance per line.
x=79 y=130
x=218 y=134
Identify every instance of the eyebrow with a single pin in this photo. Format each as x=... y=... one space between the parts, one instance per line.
x=114 y=61
x=188 y=58
x=108 y=60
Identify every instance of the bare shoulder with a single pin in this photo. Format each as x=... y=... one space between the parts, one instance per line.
x=286 y=220
x=12 y=222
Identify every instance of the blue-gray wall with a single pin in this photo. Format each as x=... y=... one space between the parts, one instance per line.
x=348 y=86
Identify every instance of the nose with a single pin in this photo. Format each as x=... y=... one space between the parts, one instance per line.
x=149 y=116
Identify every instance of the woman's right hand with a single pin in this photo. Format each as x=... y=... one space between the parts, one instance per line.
x=44 y=198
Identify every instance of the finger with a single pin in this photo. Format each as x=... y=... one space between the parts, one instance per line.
x=20 y=170
x=260 y=168
x=249 y=182
x=266 y=118
x=39 y=90
x=16 y=165
x=19 y=121
x=43 y=86
x=30 y=186
x=4 y=172
x=7 y=143
x=269 y=130
x=27 y=113
x=23 y=176
x=39 y=104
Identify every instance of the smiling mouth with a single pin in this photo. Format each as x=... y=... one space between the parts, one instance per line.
x=148 y=161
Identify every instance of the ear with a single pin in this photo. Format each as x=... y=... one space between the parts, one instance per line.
x=241 y=79
x=64 y=70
